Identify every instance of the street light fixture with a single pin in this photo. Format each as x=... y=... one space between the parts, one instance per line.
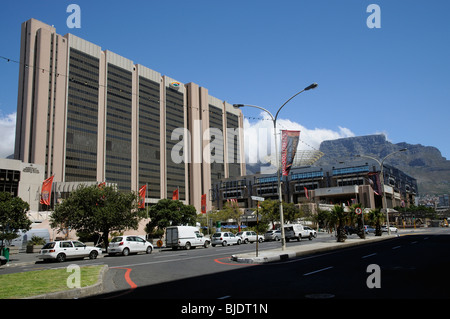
x=382 y=181
x=274 y=120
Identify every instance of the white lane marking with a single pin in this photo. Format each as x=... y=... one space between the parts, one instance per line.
x=316 y=271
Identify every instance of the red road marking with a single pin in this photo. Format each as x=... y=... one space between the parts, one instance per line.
x=127 y=277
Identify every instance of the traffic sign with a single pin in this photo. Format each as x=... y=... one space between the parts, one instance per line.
x=257 y=198
x=358 y=210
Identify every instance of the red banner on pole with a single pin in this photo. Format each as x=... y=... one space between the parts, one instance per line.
x=289 y=143
x=204 y=204
x=46 y=191
x=142 y=192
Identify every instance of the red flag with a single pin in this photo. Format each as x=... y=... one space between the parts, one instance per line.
x=46 y=191
x=175 y=195
x=306 y=192
x=289 y=143
x=142 y=192
x=204 y=204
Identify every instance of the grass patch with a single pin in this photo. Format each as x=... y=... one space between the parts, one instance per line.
x=33 y=283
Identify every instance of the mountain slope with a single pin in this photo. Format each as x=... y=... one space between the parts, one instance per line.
x=425 y=163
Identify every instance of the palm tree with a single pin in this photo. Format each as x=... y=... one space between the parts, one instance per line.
x=359 y=219
x=338 y=217
x=376 y=217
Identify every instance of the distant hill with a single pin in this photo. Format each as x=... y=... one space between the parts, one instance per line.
x=425 y=163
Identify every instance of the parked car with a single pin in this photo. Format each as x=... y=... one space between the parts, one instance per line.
x=369 y=229
x=349 y=230
x=272 y=235
x=126 y=245
x=392 y=228
x=225 y=238
x=250 y=236
x=67 y=249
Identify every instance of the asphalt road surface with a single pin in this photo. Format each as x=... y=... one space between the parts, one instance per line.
x=411 y=266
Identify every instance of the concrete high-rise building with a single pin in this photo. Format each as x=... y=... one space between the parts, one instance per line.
x=87 y=114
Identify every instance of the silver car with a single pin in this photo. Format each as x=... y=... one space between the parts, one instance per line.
x=126 y=245
x=225 y=239
x=272 y=235
x=250 y=237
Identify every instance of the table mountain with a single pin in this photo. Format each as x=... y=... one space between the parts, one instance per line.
x=425 y=163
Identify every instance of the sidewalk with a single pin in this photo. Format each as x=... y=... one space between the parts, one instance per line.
x=272 y=255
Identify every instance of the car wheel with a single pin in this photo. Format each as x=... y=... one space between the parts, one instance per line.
x=224 y=243
x=125 y=252
x=206 y=245
x=277 y=238
x=61 y=257
x=261 y=240
x=149 y=250
x=239 y=242
x=214 y=245
x=310 y=236
x=187 y=246
x=93 y=254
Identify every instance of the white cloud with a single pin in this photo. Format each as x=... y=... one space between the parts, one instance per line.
x=259 y=139
x=8 y=130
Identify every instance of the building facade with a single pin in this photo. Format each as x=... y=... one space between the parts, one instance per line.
x=23 y=180
x=344 y=184
x=90 y=115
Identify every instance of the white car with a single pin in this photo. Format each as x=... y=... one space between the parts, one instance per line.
x=392 y=228
x=67 y=249
x=225 y=238
x=312 y=232
x=249 y=236
x=126 y=245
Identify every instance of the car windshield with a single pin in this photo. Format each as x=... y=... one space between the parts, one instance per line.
x=116 y=239
x=217 y=235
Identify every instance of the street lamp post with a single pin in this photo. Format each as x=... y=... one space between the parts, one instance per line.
x=384 y=203
x=274 y=120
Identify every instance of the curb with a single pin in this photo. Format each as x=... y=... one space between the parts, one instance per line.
x=283 y=255
x=76 y=293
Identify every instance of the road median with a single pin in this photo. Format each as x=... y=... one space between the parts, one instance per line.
x=273 y=255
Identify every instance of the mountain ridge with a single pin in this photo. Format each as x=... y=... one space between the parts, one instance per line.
x=425 y=163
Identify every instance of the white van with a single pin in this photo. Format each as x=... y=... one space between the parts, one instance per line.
x=185 y=237
x=297 y=231
x=25 y=236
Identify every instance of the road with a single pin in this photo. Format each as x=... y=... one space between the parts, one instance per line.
x=414 y=265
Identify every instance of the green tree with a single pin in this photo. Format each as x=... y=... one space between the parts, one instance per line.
x=13 y=216
x=231 y=211
x=168 y=212
x=269 y=210
x=290 y=212
x=376 y=217
x=93 y=209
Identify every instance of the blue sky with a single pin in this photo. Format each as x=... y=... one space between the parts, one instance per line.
x=393 y=80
